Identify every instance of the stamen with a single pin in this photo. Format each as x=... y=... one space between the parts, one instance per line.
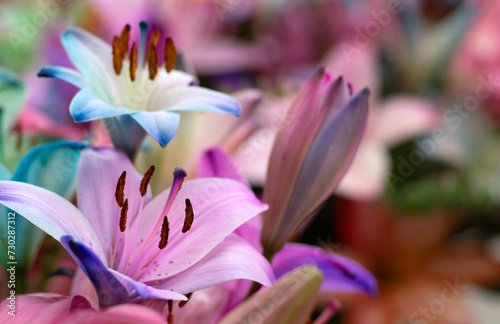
x=117 y=55
x=145 y=180
x=133 y=61
x=170 y=318
x=124 y=38
x=152 y=58
x=188 y=220
x=123 y=216
x=170 y=55
x=170 y=304
x=150 y=241
x=120 y=187
x=155 y=37
x=143 y=25
x=183 y=303
x=165 y=229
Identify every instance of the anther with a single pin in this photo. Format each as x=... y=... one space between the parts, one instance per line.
x=165 y=229
x=120 y=187
x=188 y=220
x=117 y=55
x=145 y=180
x=183 y=303
x=155 y=37
x=124 y=38
x=152 y=58
x=133 y=61
x=170 y=304
x=170 y=55
x=170 y=318
x=123 y=216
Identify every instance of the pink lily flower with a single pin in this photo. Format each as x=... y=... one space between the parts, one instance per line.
x=132 y=247
x=313 y=149
x=57 y=309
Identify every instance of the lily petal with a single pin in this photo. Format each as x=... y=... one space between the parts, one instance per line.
x=319 y=137
x=327 y=160
x=220 y=207
x=175 y=78
x=43 y=308
x=194 y=98
x=63 y=73
x=92 y=57
x=341 y=274
x=336 y=144
x=290 y=300
x=161 y=125
x=87 y=106
x=109 y=289
x=147 y=291
x=51 y=166
x=216 y=162
x=50 y=212
x=234 y=258
x=124 y=314
x=98 y=174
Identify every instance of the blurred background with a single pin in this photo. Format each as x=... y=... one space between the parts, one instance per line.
x=419 y=207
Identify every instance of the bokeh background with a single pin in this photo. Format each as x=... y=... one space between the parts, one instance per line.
x=419 y=207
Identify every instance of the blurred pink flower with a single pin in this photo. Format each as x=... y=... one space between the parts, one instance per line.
x=479 y=56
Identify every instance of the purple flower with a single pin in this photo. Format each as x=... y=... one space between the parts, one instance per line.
x=131 y=246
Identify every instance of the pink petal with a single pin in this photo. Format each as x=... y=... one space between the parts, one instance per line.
x=234 y=258
x=50 y=212
x=220 y=206
x=124 y=314
x=341 y=274
x=405 y=117
x=32 y=121
x=42 y=309
x=216 y=162
x=98 y=174
x=323 y=132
